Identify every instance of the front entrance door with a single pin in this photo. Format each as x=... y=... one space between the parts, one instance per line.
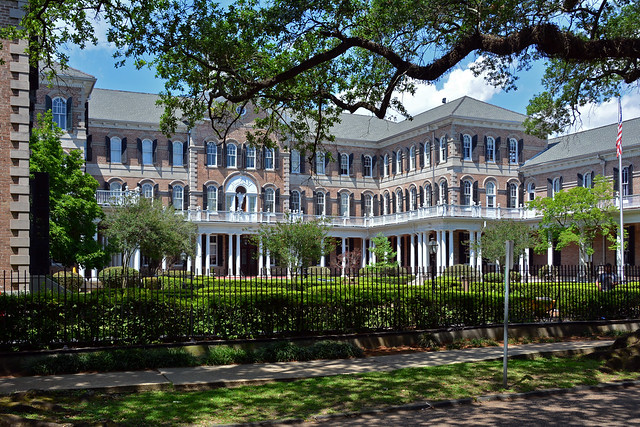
x=248 y=261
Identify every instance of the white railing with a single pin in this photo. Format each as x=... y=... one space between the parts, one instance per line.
x=115 y=198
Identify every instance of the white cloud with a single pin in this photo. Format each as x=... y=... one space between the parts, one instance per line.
x=596 y=115
x=460 y=82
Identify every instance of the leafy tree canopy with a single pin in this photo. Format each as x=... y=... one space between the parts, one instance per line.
x=74 y=211
x=381 y=248
x=296 y=243
x=576 y=216
x=496 y=233
x=158 y=231
x=301 y=63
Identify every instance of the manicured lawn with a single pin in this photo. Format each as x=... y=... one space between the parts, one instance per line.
x=306 y=398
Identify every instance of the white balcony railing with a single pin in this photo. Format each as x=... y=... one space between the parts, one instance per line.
x=115 y=198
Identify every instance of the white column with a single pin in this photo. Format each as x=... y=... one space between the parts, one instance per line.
x=230 y=255
x=425 y=251
x=344 y=251
x=550 y=254
x=260 y=259
x=268 y=262
x=451 y=262
x=472 y=249
x=420 y=253
x=439 y=250
x=412 y=256
x=164 y=264
x=527 y=254
x=94 y=272
x=372 y=255
x=323 y=261
x=364 y=252
x=479 y=255
x=237 y=254
x=188 y=263
x=81 y=271
x=399 y=250
x=199 y=255
x=136 y=259
x=207 y=254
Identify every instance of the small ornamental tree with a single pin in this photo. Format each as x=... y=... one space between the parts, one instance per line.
x=576 y=216
x=385 y=255
x=496 y=233
x=296 y=243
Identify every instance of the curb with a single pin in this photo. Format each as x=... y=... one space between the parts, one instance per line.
x=418 y=406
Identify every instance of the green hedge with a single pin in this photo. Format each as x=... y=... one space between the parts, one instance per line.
x=119 y=277
x=68 y=280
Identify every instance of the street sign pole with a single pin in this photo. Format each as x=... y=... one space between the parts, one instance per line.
x=508 y=261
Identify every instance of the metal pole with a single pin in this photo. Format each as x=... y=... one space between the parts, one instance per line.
x=508 y=260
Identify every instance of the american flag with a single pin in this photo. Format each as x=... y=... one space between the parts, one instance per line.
x=619 y=138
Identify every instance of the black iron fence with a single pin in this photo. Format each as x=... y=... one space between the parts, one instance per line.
x=126 y=308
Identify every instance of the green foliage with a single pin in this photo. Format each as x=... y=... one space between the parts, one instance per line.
x=328 y=349
x=297 y=243
x=69 y=280
x=496 y=233
x=318 y=271
x=72 y=198
x=225 y=355
x=493 y=277
x=381 y=248
x=461 y=271
x=156 y=230
x=118 y=277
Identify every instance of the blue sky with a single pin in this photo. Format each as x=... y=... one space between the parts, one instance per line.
x=98 y=61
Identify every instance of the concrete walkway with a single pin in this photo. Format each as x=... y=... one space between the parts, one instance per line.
x=233 y=375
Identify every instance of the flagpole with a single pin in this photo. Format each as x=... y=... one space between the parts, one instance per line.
x=620 y=196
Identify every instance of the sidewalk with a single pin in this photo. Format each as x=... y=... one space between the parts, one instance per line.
x=204 y=377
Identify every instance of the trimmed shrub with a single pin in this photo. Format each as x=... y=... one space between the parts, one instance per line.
x=493 y=277
x=225 y=355
x=282 y=351
x=116 y=277
x=152 y=283
x=461 y=271
x=515 y=276
x=318 y=271
x=335 y=350
x=548 y=272
x=68 y=280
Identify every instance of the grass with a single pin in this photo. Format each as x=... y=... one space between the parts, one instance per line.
x=306 y=398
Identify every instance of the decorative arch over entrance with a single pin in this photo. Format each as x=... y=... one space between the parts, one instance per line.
x=241 y=194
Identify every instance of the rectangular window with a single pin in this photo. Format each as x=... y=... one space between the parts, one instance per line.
x=116 y=150
x=320 y=164
x=344 y=164
x=268 y=159
x=213 y=250
x=212 y=154
x=251 y=158
x=344 y=204
x=513 y=151
x=368 y=205
x=490 y=150
x=295 y=161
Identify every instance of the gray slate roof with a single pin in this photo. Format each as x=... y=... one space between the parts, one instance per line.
x=69 y=71
x=587 y=143
x=123 y=106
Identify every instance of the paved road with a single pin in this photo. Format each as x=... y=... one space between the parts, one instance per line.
x=619 y=407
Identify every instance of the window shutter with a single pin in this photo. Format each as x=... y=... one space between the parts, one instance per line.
x=276 y=159
x=446 y=192
x=69 y=113
x=220 y=248
x=446 y=147
x=580 y=180
x=362 y=164
x=262 y=199
x=435 y=195
x=205 y=195
x=156 y=191
x=153 y=150
x=381 y=167
x=474 y=144
x=139 y=148
x=630 y=179
x=221 y=199
x=407 y=200
x=185 y=152
x=242 y=161
x=185 y=197
x=476 y=198
x=327 y=203
x=496 y=149
x=89 y=154
x=47 y=103
x=124 y=150
x=314 y=202
x=352 y=205
x=351 y=164
x=549 y=187
x=170 y=195
x=303 y=160
x=393 y=162
x=461 y=196
x=107 y=186
x=303 y=202
x=277 y=201
x=421 y=155
x=362 y=206
x=376 y=206
x=400 y=161
x=592 y=177
x=462 y=145
x=486 y=149
x=107 y=143
x=326 y=164
x=392 y=201
x=170 y=147
x=520 y=148
x=421 y=197
x=521 y=194
x=224 y=154
x=561 y=183
x=373 y=165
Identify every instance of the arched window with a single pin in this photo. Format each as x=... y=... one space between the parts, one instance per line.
x=427 y=154
x=116 y=150
x=466 y=149
x=428 y=200
x=147 y=152
x=399 y=162
x=413 y=199
x=147 y=191
x=412 y=158
x=177 y=153
x=344 y=204
x=444 y=199
x=398 y=200
x=295 y=161
x=344 y=164
x=586 y=180
x=490 y=150
x=320 y=164
x=212 y=198
x=320 y=199
x=625 y=182
x=269 y=200
x=490 y=189
x=513 y=151
x=232 y=152
x=212 y=154
x=385 y=205
x=368 y=205
x=294 y=203
x=268 y=158
x=531 y=191
x=368 y=172
x=443 y=149
x=513 y=195
x=467 y=188
x=386 y=165
x=115 y=187
x=178 y=197
x=556 y=186
x=59 y=111
x=250 y=160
